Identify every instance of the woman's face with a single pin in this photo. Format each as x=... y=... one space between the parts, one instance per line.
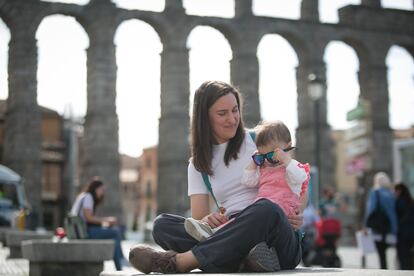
x=397 y=193
x=224 y=118
x=100 y=191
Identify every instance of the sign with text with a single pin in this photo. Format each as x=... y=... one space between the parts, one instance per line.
x=358 y=146
x=361 y=111
x=361 y=128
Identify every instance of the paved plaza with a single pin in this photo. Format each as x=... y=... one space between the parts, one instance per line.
x=350 y=256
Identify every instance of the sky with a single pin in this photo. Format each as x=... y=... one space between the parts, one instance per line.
x=62 y=67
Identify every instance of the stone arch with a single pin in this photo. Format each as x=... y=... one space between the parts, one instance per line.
x=140 y=61
x=334 y=83
x=298 y=44
x=220 y=72
x=362 y=49
x=157 y=25
x=230 y=33
x=284 y=81
x=53 y=9
x=4 y=19
x=400 y=65
x=296 y=39
x=70 y=91
x=4 y=59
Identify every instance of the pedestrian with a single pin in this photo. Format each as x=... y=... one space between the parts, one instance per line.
x=380 y=215
x=278 y=177
x=404 y=207
x=328 y=206
x=221 y=148
x=98 y=227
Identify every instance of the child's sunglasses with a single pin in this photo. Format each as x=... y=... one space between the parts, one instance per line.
x=260 y=158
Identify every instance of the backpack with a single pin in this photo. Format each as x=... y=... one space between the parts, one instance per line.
x=75 y=226
x=378 y=220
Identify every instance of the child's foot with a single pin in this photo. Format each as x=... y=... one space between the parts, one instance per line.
x=197 y=229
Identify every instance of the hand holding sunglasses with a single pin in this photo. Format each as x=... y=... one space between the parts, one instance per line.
x=259 y=159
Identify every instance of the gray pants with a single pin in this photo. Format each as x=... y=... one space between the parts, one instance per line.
x=226 y=249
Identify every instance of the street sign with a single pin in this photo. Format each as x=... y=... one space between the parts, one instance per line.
x=361 y=128
x=355 y=114
x=358 y=146
x=361 y=111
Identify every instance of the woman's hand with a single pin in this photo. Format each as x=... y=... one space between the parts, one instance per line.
x=109 y=221
x=215 y=219
x=296 y=220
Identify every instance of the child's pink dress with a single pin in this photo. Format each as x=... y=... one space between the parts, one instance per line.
x=281 y=185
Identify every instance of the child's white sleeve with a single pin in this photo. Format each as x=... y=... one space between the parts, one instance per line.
x=295 y=176
x=250 y=178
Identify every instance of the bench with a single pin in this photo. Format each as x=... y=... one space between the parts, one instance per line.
x=74 y=257
x=15 y=237
x=3 y=232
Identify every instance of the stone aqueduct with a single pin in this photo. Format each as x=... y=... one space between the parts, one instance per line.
x=368 y=28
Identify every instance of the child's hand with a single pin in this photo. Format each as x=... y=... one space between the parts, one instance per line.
x=283 y=157
x=252 y=166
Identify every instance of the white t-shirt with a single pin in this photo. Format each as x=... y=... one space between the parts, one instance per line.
x=87 y=203
x=226 y=181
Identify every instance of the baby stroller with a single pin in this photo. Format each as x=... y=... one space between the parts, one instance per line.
x=324 y=250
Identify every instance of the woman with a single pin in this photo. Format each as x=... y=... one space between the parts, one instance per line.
x=222 y=150
x=98 y=227
x=381 y=197
x=404 y=207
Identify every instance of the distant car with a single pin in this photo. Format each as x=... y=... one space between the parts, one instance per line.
x=12 y=196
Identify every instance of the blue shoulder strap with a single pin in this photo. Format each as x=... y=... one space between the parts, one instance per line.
x=208 y=185
x=252 y=134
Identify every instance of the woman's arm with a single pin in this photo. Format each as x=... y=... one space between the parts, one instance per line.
x=199 y=206
x=104 y=221
x=200 y=209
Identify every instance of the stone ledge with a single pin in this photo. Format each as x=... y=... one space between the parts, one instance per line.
x=71 y=251
x=302 y=271
x=74 y=257
x=14 y=239
x=3 y=232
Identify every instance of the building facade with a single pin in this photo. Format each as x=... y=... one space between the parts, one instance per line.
x=147 y=187
x=54 y=148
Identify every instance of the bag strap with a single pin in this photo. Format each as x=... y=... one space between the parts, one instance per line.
x=252 y=134
x=208 y=185
x=81 y=204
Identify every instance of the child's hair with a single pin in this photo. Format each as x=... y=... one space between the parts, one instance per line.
x=268 y=132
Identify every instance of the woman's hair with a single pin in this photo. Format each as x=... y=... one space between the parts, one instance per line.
x=381 y=180
x=269 y=132
x=404 y=192
x=202 y=138
x=91 y=188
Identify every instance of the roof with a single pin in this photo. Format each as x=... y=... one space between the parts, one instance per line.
x=43 y=110
x=8 y=176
